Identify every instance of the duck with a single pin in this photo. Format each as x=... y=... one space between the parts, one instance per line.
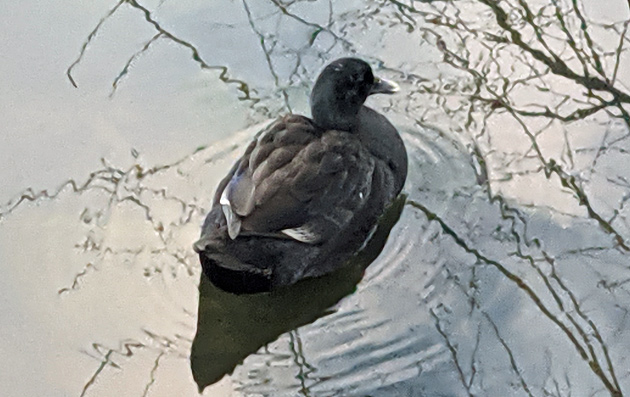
x=308 y=192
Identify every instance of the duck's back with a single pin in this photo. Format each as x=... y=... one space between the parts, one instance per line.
x=297 y=181
x=301 y=200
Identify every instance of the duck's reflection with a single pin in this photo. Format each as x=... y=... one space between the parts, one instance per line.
x=231 y=327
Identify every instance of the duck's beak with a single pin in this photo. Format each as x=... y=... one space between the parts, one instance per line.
x=382 y=86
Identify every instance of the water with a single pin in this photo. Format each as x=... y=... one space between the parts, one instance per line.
x=506 y=274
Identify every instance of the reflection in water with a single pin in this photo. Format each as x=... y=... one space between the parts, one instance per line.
x=507 y=273
x=231 y=327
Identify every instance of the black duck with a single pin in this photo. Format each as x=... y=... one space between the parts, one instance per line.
x=307 y=193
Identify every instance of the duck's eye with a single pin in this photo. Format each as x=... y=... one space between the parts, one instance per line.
x=369 y=77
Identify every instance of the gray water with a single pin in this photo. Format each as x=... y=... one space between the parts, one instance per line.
x=507 y=273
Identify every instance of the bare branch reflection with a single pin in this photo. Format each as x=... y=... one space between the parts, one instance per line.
x=508 y=271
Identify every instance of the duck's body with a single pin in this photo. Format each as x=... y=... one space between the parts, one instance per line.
x=307 y=193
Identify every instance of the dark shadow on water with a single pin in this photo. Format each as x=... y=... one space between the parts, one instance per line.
x=231 y=327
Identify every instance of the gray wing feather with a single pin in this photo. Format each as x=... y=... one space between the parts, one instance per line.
x=298 y=182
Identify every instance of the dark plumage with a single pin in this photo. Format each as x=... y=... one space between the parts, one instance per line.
x=307 y=193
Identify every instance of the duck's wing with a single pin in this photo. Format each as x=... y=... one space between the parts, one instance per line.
x=296 y=181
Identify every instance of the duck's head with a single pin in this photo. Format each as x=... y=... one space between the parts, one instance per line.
x=340 y=91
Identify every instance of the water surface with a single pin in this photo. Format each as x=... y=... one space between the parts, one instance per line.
x=506 y=274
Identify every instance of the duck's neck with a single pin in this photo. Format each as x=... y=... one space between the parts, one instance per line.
x=333 y=108
x=329 y=114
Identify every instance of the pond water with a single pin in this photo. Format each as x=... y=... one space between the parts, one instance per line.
x=506 y=273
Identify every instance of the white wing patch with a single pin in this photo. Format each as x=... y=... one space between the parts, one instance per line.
x=233 y=221
x=302 y=234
